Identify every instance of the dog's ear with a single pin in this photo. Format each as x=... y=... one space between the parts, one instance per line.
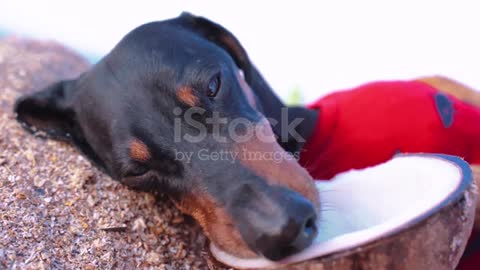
x=220 y=36
x=49 y=110
x=269 y=103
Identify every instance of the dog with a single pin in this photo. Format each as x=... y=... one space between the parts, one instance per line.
x=171 y=90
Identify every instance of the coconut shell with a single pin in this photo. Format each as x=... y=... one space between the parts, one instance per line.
x=476 y=177
x=435 y=242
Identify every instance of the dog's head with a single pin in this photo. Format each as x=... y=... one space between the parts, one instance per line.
x=171 y=108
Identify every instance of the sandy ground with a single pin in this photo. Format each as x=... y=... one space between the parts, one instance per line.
x=59 y=212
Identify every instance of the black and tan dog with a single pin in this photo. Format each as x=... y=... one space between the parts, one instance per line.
x=127 y=113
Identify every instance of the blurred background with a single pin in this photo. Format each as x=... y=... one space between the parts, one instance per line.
x=304 y=49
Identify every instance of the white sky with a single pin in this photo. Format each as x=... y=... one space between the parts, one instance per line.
x=318 y=46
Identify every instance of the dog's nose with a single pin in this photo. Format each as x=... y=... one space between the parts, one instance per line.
x=290 y=232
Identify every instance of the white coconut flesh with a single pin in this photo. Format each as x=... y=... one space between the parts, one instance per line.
x=361 y=206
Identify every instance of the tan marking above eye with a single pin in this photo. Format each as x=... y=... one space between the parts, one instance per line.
x=187 y=96
x=139 y=151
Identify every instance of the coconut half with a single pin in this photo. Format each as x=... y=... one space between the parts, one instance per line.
x=412 y=212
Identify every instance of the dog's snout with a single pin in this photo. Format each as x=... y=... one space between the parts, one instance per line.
x=279 y=225
x=296 y=232
x=307 y=232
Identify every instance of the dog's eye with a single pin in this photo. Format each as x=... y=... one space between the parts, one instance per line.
x=137 y=170
x=213 y=86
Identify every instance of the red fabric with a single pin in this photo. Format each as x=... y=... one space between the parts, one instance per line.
x=369 y=124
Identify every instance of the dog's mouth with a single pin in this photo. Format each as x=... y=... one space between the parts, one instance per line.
x=360 y=207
